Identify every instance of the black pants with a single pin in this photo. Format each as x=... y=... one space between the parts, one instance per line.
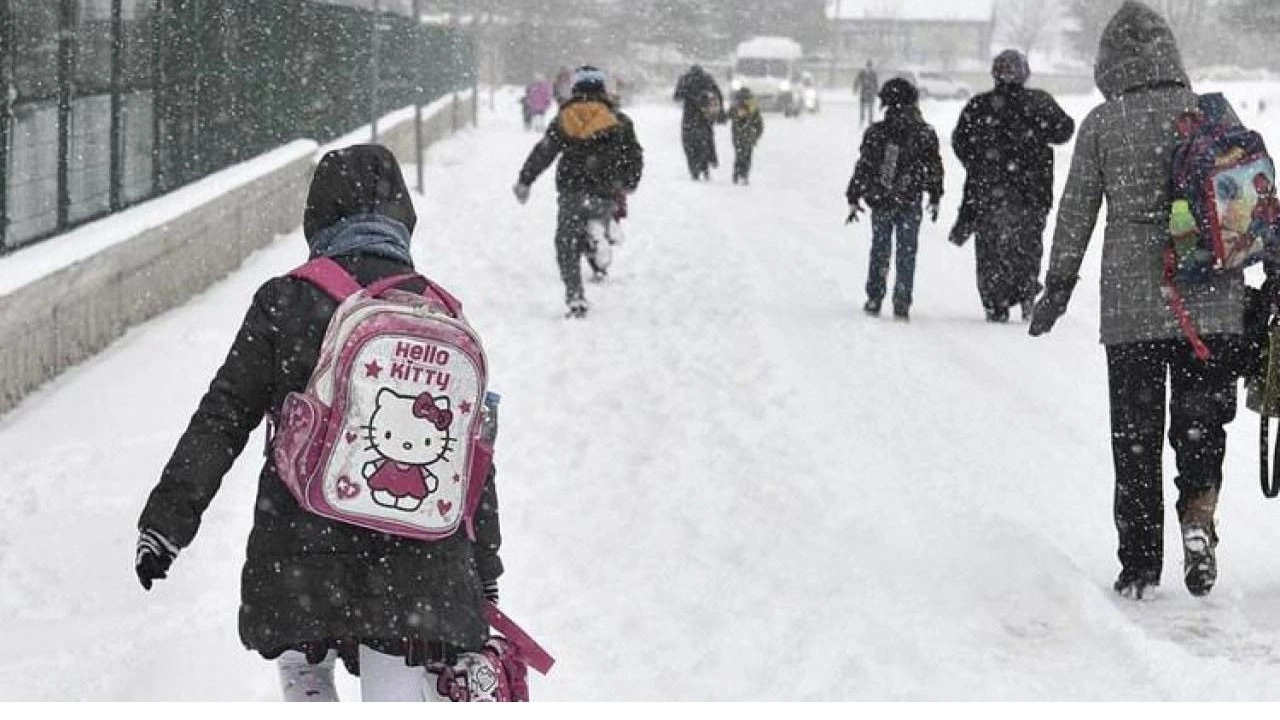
x=1202 y=401
x=1009 y=247
x=699 y=139
x=742 y=159
x=573 y=240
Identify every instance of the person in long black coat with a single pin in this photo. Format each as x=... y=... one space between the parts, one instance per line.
x=703 y=108
x=1004 y=139
x=311 y=587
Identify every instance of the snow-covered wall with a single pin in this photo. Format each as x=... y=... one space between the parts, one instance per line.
x=67 y=298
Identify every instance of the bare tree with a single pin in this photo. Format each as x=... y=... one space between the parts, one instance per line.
x=1025 y=24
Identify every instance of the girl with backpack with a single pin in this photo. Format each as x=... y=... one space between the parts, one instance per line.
x=314 y=589
x=897 y=164
x=1124 y=152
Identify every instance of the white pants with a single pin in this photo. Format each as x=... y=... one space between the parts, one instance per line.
x=383 y=678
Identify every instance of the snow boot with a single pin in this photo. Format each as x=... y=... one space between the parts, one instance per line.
x=1136 y=585
x=871 y=307
x=997 y=315
x=900 y=312
x=577 y=308
x=1199 y=564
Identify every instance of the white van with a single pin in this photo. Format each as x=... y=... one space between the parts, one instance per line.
x=769 y=67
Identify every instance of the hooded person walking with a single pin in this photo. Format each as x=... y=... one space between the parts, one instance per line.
x=1003 y=139
x=1124 y=153
x=703 y=107
x=314 y=589
x=897 y=164
x=600 y=162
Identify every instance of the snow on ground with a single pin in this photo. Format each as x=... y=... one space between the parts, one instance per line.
x=726 y=484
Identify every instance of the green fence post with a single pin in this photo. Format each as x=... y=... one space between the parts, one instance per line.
x=6 y=113
x=66 y=66
x=116 y=172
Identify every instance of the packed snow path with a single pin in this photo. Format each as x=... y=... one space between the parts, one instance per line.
x=727 y=483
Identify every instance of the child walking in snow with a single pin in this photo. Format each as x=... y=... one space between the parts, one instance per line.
x=747 y=126
x=314 y=590
x=600 y=159
x=898 y=163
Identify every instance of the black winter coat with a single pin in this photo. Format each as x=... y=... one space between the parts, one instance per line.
x=703 y=103
x=746 y=123
x=1003 y=139
x=601 y=155
x=887 y=184
x=309 y=582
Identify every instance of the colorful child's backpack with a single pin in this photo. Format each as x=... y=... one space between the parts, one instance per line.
x=387 y=434
x=1224 y=211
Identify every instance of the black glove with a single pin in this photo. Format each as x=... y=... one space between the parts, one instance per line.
x=855 y=207
x=1051 y=305
x=521 y=191
x=155 y=554
x=490 y=590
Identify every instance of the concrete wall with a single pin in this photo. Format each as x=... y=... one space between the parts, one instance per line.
x=74 y=311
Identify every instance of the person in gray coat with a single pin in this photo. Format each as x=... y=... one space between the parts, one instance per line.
x=1124 y=152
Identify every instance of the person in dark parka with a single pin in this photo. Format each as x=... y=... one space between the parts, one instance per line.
x=897 y=164
x=311 y=587
x=703 y=107
x=600 y=160
x=1124 y=153
x=746 y=125
x=1004 y=139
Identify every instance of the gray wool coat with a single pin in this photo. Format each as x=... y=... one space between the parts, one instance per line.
x=1124 y=152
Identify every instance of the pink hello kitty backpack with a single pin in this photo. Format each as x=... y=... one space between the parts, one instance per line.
x=386 y=435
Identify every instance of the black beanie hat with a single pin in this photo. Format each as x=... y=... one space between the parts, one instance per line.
x=898 y=92
x=357 y=180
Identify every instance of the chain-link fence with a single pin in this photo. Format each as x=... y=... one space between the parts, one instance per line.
x=108 y=102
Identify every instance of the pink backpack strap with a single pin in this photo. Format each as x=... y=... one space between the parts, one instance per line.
x=450 y=302
x=378 y=287
x=329 y=276
x=530 y=651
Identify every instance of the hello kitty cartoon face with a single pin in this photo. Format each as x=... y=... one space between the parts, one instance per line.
x=410 y=430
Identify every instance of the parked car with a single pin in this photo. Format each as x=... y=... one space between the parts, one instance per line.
x=940 y=87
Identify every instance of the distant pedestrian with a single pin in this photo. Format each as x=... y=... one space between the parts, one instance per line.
x=747 y=126
x=703 y=107
x=538 y=96
x=866 y=85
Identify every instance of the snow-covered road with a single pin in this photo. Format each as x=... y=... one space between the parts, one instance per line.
x=726 y=484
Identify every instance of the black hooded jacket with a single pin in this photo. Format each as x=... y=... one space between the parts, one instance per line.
x=308 y=582
x=1003 y=139
x=598 y=150
x=702 y=101
x=886 y=183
